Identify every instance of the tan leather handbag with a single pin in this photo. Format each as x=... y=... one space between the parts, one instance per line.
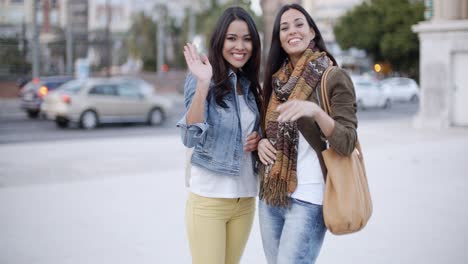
x=347 y=204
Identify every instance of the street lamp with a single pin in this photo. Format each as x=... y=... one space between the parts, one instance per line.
x=377 y=68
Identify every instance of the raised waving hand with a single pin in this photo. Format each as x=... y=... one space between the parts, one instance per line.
x=200 y=67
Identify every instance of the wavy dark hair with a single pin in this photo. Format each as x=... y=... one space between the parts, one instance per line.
x=277 y=55
x=251 y=68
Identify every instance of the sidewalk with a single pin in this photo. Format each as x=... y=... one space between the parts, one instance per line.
x=113 y=202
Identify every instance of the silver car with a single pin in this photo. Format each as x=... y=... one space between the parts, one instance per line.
x=95 y=101
x=401 y=89
x=369 y=93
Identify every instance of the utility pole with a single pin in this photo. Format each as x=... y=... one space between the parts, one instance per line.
x=35 y=42
x=69 y=38
x=160 y=38
x=108 y=40
x=23 y=42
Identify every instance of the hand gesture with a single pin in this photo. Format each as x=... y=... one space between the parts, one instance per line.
x=295 y=109
x=266 y=152
x=251 y=142
x=200 y=68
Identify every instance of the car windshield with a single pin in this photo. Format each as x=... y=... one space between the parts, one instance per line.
x=30 y=86
x=53 y=85
x=72 y=86
x=363 y=84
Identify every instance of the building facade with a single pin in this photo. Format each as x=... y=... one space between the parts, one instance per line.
x=443 y=59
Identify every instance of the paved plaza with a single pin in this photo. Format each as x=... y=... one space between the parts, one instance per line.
x=121 y=201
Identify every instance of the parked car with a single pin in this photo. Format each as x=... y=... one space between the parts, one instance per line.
x=369 y=93
x=33 y=92
x=401 y=89
x=95 y=101
x=22 y=81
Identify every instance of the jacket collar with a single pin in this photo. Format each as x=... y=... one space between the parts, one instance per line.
x=244 y=82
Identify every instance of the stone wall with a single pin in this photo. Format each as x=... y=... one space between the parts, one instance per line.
x=442 y=39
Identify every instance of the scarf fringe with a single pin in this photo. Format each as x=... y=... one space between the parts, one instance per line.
x=288 y=83
x=277 y=194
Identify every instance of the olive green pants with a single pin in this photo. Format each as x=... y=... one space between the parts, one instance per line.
x=218 y=228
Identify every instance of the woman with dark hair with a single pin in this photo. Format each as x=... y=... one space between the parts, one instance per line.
x=296 y=130
x=221 y=123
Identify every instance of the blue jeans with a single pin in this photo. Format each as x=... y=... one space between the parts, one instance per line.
x=292 y=235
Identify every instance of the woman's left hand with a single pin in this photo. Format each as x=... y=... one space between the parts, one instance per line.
x=251 y=142
x=295 y=109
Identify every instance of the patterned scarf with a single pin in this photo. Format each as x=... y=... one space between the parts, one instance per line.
x=280 y=179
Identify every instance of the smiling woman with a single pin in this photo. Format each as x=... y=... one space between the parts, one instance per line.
x=293 y=174
x=222 y=123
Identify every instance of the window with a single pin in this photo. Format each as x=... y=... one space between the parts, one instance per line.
x=53 y=85
x=365 y=85
x=129 y=90
x=73 y=86
x=146 y=88
x=103 y=90
x=404 y=81
x=30 y=86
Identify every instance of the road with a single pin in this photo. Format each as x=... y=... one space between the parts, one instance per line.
x=16 y=127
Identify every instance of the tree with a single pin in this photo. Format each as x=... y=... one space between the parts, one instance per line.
x=141 y=37
x=207 y=19
x=13 y=60
x=141 y=40
x=383 y=29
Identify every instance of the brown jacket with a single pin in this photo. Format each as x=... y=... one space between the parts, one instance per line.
x=343 y=110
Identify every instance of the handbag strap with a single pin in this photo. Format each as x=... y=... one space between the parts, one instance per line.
x=326 y=101
x=323 y=90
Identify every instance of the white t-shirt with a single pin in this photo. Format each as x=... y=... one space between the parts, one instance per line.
x=208 y=183
x=310 y=183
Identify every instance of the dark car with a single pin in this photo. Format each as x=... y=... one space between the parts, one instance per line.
x=22 y=81
x=33 y=92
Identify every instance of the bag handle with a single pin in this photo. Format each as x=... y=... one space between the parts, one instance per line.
x=326 y=102
x=323 y=90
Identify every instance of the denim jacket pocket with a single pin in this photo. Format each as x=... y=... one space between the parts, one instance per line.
x=207 y=145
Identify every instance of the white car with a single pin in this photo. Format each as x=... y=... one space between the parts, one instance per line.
x=94 y=101
x=401 y=89
x=369 y=93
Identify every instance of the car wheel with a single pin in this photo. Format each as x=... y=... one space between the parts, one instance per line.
x=414 y=98
x=62 y=122
x=89 y=119
x=387 y=104
x=156 y=117
x=33 y=113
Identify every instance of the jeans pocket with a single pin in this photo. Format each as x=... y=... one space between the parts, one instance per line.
x=306 y=204
x=211 y=207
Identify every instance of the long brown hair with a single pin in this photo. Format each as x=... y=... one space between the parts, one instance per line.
x=277 y=55
x=251 y=68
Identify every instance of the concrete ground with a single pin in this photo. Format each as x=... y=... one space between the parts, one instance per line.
x=122 y=201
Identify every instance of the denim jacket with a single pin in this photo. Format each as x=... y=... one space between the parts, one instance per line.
x=217 y=141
